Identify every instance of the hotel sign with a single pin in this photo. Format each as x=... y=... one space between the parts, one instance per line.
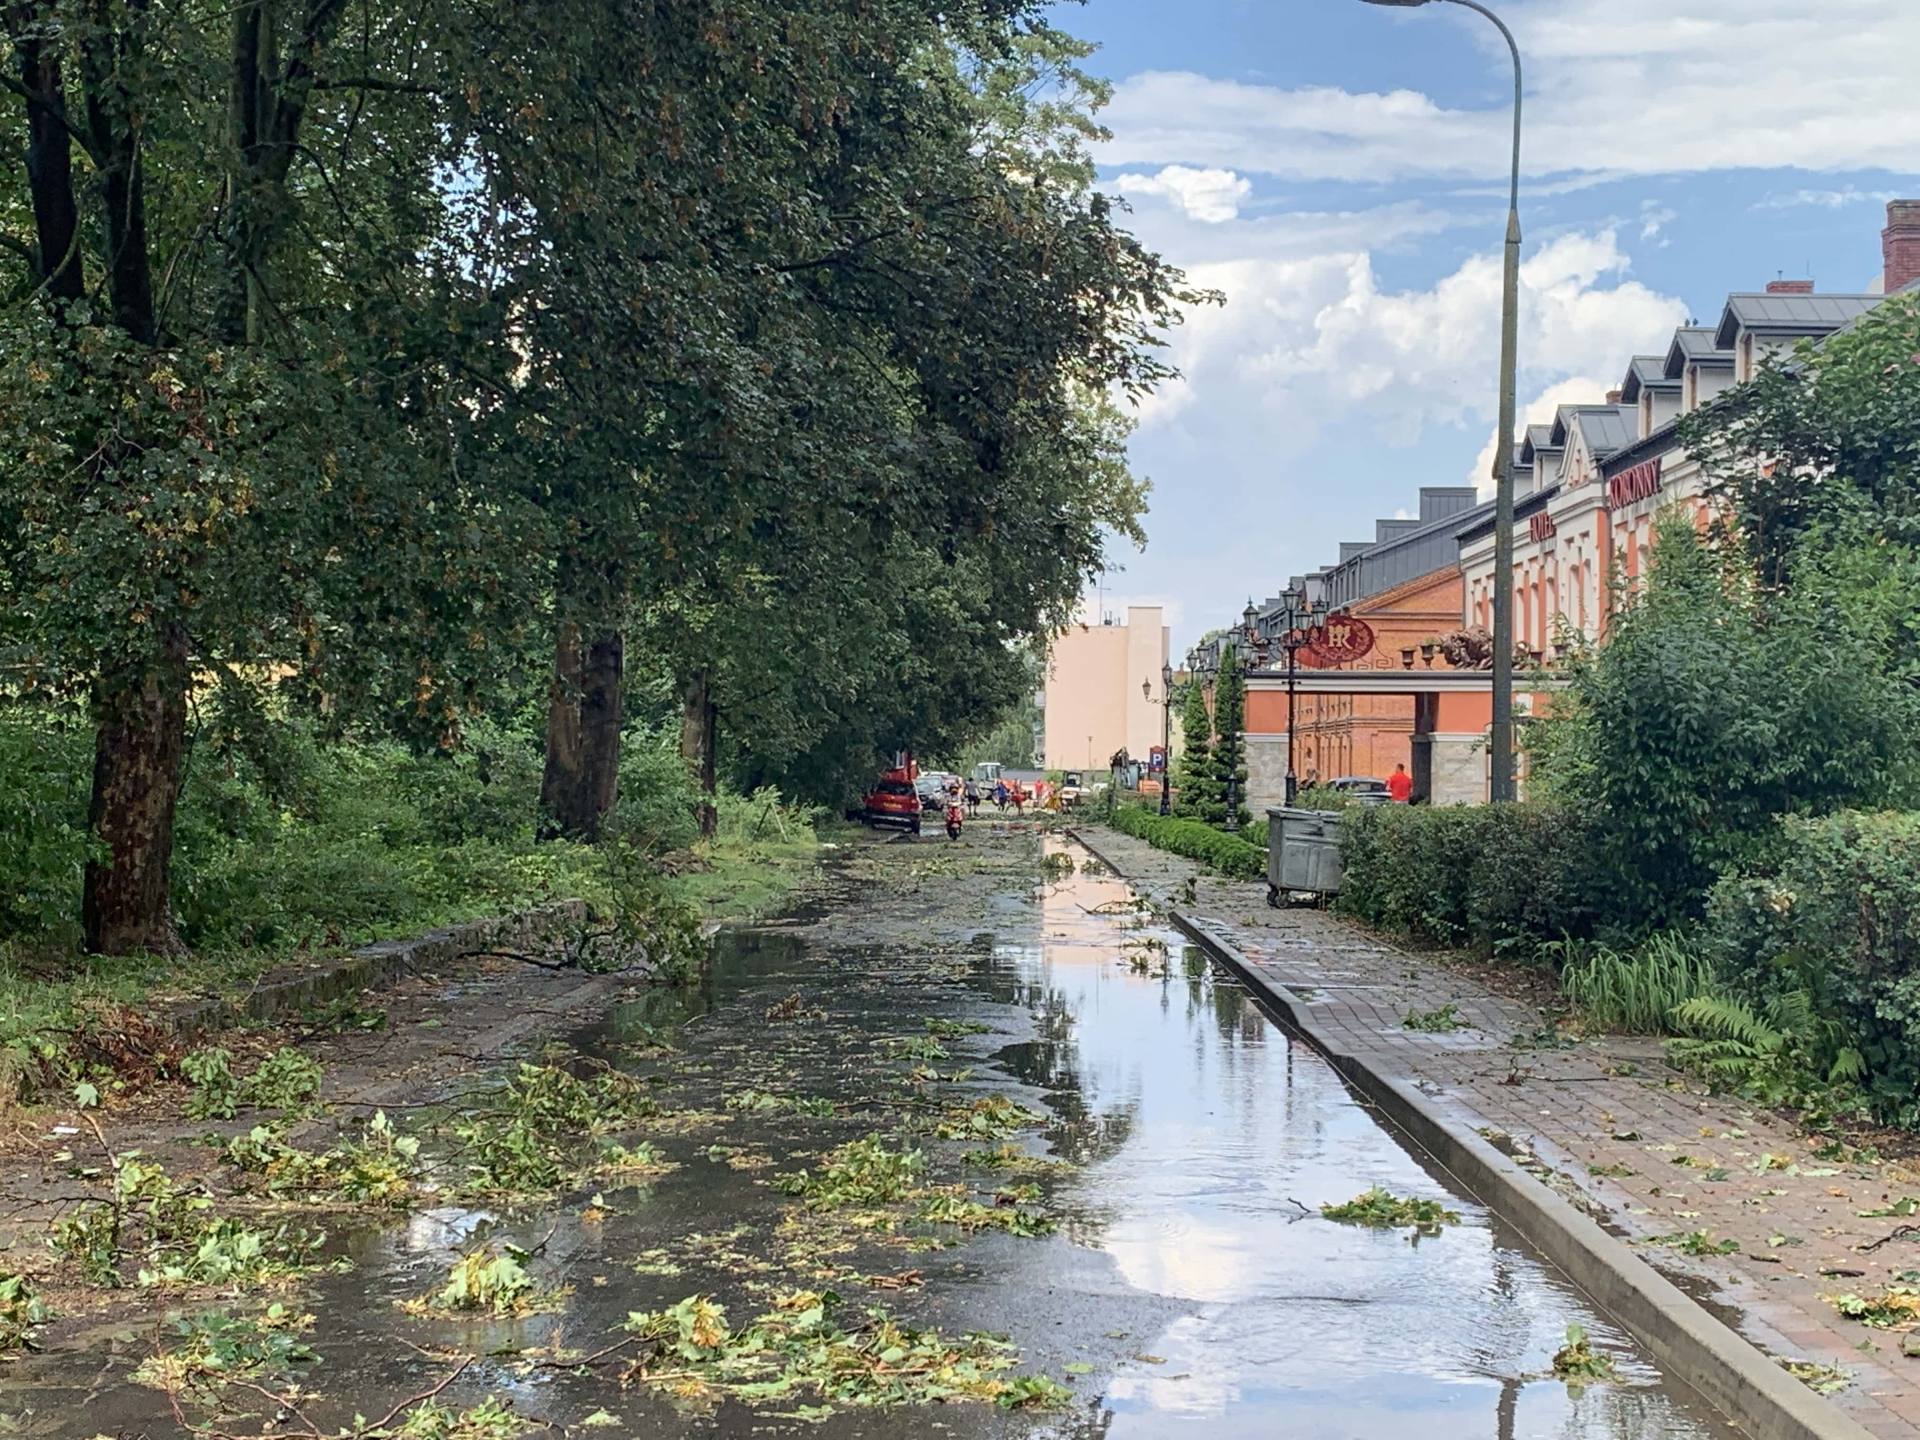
x=1638 y=483
x=1541 y=526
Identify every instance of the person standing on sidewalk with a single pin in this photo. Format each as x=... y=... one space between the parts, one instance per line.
x=1400 y=785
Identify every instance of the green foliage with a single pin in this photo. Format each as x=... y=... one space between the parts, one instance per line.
x=286 y=1080
x=43 y=845
x=1496 y=877
x=1788 y=1052
x=802 y=1346
x=1228 y=761
x=1196 y=790
x=1636 y=991
x=382 y=1168
x=1826 y=937
x=1893 y=1305
x=491 y=1419
x=860 y=1173
x=1380 y=1209
x=211 y=1348
x=1698 y=1243
x=216 y=1090
x=1715 y=707
x=1835 y=426
x=527 y=1141
x=490 y=1282
x=1196 y=840
x=21 y=1310
x=1443 y=1021
x=1578 y=1363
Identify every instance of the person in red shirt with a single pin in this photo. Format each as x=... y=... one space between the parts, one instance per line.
x=1400 y=785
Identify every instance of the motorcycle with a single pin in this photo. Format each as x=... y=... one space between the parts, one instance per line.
x=956 y=811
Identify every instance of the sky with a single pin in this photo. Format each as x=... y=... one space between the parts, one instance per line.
x=1338 y=171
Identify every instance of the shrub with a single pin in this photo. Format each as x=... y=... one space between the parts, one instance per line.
x=1837 y=917
x=1638 y=990
x=1493 y=876
x=1228 y=854
x=1715 y=707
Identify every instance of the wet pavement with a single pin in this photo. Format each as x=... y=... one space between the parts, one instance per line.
x=1191 y=1286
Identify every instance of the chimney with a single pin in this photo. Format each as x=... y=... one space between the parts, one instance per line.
x=1789 y=287
x=1900 y=244
x=1613 y=397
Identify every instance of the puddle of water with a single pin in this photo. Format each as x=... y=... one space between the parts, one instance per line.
x=1192 y=1288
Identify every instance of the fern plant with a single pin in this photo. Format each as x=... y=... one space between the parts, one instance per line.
x=1786 y=1051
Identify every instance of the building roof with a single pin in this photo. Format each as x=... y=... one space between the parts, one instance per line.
x=1646 y=372
x=1790 y=314
x=1539 y=440
x=1694 y=344
x=1607 y=427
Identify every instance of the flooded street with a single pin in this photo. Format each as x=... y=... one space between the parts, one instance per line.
x=1176 y=1275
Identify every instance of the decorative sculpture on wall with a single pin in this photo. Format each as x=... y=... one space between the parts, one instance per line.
x=1468 y=648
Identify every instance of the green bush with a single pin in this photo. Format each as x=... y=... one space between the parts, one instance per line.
x=1836 y=918
x=43 y=824
x=1228 y=854
x=1491 y=876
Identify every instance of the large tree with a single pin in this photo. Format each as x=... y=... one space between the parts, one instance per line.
x=233 y=399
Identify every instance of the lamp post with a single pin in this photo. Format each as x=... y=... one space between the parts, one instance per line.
x=1166 y=737
x=1296 y=619
x=1501 y=740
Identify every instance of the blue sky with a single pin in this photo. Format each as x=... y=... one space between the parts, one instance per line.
x=1338 y=170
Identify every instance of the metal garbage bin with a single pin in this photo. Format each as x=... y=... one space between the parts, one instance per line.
x=1303 y=854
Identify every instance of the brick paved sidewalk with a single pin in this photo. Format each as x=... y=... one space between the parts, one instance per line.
x=1610 y=1125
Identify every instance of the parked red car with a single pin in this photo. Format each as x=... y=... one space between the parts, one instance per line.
x=893 y=801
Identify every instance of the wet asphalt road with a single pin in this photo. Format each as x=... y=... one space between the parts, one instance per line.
x=1191 y=1287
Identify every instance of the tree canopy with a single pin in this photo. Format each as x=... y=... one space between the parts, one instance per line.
x=397 y=357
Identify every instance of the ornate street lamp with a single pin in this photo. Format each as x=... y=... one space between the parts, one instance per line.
x=1296 y=620
x=1500 y=742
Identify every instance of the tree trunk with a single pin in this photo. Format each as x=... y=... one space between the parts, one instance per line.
x=699 y=724
x=602 y=710
x=49 y=157
x=139 y=745
x=560 y=781
x=581 y=782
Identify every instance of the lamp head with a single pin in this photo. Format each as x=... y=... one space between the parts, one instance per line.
x=1250 y=614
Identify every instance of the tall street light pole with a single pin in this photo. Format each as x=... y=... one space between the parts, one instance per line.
x=1166 y=736
x=1501 y=741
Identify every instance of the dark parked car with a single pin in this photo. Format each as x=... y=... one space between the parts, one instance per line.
x=1363 y=789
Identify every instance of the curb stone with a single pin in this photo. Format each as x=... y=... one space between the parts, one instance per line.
x=290 y=989
x=1730 y=1374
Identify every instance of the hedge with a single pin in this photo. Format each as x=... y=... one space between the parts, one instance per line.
x=1195 y=839
x=1836 y=914
x=1490 y=876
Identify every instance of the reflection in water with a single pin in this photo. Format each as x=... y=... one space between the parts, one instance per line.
x=1192 y=1289
x=1292 y=1324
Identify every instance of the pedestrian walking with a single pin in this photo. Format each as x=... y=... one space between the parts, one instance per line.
x=1000 y=795
x=973 y=800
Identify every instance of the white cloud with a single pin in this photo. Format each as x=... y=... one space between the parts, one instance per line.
x=1631 y=87
x=1306 y=342
x=1209 y=196
x=1825 y=199
x=1654 y=218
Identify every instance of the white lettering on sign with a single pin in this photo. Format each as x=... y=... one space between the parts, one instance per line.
x=1638 y=483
